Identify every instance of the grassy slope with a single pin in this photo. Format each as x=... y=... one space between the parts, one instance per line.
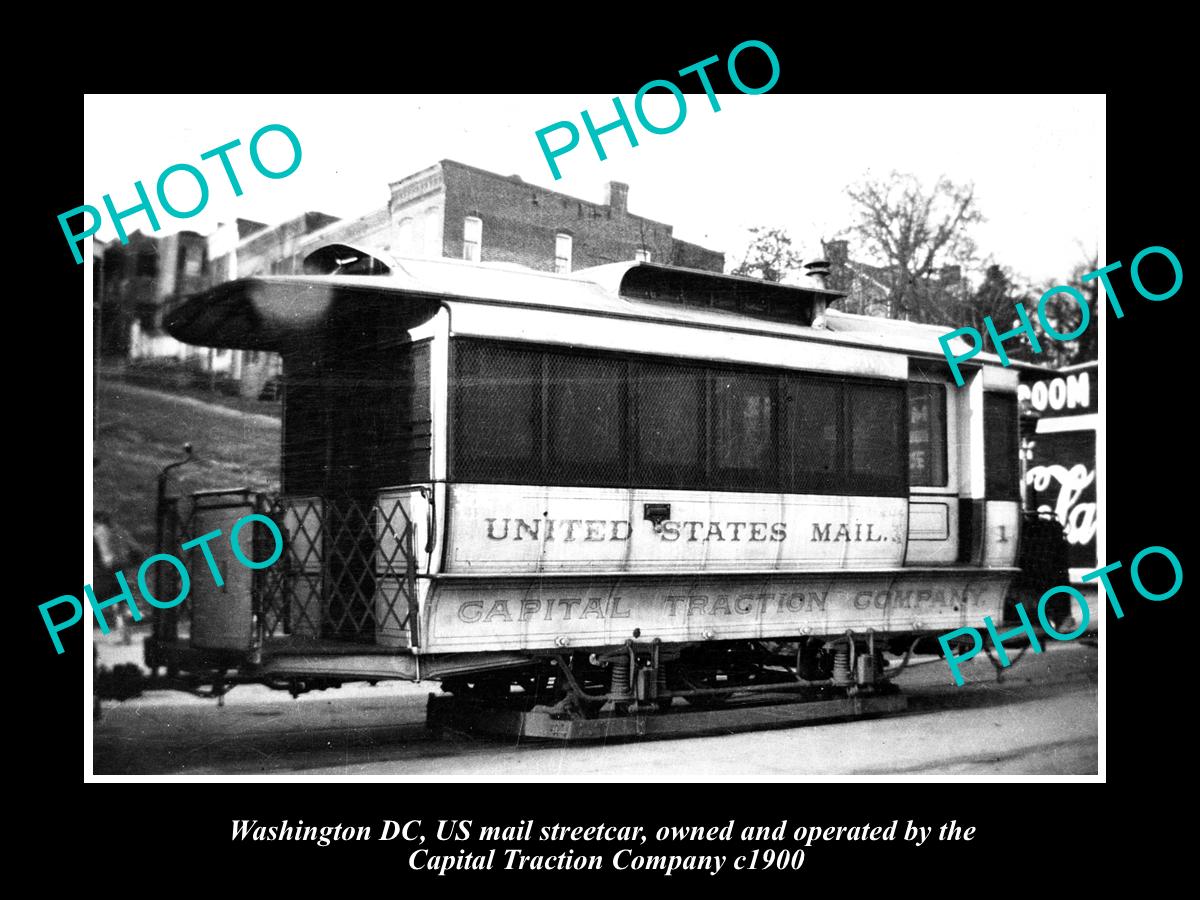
x=140 y=431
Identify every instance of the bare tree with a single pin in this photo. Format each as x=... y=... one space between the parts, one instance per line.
x=769 y=255
x=919 y=237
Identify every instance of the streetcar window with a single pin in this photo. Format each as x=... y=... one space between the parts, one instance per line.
x=668 y=409
x=927 y=464
x=585 y=420
x=1001 y=447
x=525 y=415
x=409 y=443
x=498 y=406
x=367 y=411
x=815 y=461
x=304 y=436
x=743 y=441
x=876 y=438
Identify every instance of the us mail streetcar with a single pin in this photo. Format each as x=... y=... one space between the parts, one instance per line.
x=618 y=495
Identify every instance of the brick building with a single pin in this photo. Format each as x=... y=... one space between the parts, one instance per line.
x=458 y=211
x=446 y=210
x=496 y=218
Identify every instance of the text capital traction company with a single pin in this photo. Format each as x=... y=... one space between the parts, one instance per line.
x=694 y=605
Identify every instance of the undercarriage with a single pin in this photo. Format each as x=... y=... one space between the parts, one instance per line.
x=648 y=688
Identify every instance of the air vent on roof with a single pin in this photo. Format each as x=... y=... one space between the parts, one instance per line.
x=345 y=259
x=725 y=293
x=818 y=270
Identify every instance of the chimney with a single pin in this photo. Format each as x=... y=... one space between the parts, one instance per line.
x=837 y=252
x=616 y=197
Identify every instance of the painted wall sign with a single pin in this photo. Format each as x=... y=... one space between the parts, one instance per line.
x=1061 y=479
x=1065 y=395
x=489 y=614
x=519 y=529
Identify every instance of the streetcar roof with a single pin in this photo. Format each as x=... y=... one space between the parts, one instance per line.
x=266 y=312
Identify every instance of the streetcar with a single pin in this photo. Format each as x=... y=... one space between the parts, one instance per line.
x=598 y=503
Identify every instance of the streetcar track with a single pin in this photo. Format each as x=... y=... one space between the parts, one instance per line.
x=166 y=739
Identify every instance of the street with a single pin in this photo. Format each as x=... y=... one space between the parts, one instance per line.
x=1040 y=720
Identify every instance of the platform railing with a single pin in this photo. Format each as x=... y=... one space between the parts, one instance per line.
x=347 y=571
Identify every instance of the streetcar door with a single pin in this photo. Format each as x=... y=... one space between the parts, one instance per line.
x=933 y=507
x=356 y=474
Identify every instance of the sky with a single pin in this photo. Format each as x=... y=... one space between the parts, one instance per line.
x=1037 y=162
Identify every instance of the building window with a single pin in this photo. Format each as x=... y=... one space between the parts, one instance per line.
x=405 y=245
x=193 y=261
x=147 y=262
x=641 y=254
x=473 y=238
x=562 y=253
x=927 y=466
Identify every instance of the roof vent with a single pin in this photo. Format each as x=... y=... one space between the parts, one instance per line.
x=346 y=259
x=818 y=270
x=751 y=297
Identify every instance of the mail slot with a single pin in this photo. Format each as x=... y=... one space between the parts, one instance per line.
x=656 y=513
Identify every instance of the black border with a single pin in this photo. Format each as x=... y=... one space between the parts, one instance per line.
x=1029 y=834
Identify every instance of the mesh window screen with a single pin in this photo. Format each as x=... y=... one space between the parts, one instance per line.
x=815 y=414
x=498 y=401
x=585 y=421
x=524 y=415
x=877 y=439
x=743 y=442
x=356 y=422
x=669 y=425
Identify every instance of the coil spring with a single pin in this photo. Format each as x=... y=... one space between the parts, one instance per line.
x=841 y=664
x=620 y=677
